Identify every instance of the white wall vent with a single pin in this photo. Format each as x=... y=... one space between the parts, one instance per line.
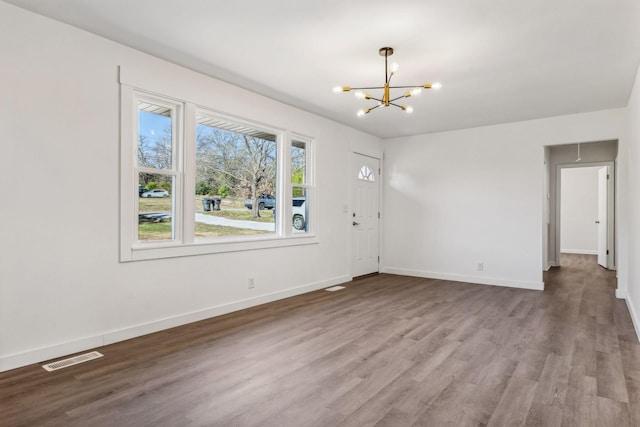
x=54 y=366
x=334 y=288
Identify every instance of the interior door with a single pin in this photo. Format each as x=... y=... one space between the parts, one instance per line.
x=365 y=214
x=603 y=187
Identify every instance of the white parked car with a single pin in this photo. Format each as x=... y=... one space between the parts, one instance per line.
x=299 y=213
x=156 y=193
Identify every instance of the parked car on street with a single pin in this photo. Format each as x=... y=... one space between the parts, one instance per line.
x=299 y=213
x=265 y=201
x=155 y=193
x=299 y=210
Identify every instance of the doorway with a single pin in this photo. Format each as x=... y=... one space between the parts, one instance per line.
x=365 y=214
x=574 y=155
x=583 y=212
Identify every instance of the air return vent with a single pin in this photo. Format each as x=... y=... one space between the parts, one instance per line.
x=334 y=288
x=54 y=366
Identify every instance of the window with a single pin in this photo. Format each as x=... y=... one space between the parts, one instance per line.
x=366 y=174
x=235 y=164
x=196 y=181
x=299 y=186
x=156 y=168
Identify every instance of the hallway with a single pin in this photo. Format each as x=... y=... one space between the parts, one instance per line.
x=595 y=330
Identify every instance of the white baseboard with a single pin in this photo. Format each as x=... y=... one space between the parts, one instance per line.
x=520 y=284
x=621 y=294
x=18 y=360
x=634 y=316
x=549 y=265
x=578 y=251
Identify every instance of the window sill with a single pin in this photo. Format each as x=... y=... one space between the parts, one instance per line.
x=151 y=251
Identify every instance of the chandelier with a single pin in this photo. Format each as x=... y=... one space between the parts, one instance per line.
x=386 y=99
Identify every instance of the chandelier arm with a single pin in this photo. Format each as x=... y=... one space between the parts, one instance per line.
x=372 y=87
x=374 y=107
x=389 y=81
x=396 y=105
x=406 y=87
x=395 y=99
x=375 y=99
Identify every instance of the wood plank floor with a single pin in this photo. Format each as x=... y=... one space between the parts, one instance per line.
x=385 y=351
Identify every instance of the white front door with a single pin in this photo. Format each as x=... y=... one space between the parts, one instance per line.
x=365 y=214
x=603 y=187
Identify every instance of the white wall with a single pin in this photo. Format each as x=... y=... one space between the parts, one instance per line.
x=579 y=210
x=62 y=288
x=631 y=232
x=455 y=199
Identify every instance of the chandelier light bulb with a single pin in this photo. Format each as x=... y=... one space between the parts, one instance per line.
x=416 y=91
x=436 y=85
x=408 y=109
x=337 y=89
x=360 y=95
x=360 y=113
x=394 y=67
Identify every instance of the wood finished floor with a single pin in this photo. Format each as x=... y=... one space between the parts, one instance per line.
x=385 y=351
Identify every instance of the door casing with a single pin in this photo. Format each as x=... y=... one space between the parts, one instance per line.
x=611 y=257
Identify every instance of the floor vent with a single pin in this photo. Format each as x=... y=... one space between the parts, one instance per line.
x=334 y=288
x=54 y=366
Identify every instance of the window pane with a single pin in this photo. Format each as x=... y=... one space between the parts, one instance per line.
x=155 y=207
x=366 y=174
x=300 y=210
x=235 y=179
x=155 y=141
x=298 y=162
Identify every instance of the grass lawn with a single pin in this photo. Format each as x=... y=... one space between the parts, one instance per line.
x=231 y=209
x=208 y=230
x=151 y=231
x=154 y=231
x=164 y=205
x=245 y=214
x=152 y=204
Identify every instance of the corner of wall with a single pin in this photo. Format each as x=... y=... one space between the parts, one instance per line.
x=634 y=314
x=492 y=281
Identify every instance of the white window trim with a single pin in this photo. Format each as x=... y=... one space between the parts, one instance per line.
x=177 y=163
x=184 y=243
x=309 y=185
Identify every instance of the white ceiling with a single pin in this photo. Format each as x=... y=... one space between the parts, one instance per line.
x=498 y=60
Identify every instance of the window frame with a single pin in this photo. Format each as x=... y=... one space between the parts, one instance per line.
x=307 y=185
x=177 y=143
x=184 y=242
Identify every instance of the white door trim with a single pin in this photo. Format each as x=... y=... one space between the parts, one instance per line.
x=610 y=208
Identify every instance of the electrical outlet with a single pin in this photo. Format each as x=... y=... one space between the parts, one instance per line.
x=252 y=283
x=480 y=266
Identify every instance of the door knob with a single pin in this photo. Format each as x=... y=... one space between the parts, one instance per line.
x=356 y=223
x=597 y=222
